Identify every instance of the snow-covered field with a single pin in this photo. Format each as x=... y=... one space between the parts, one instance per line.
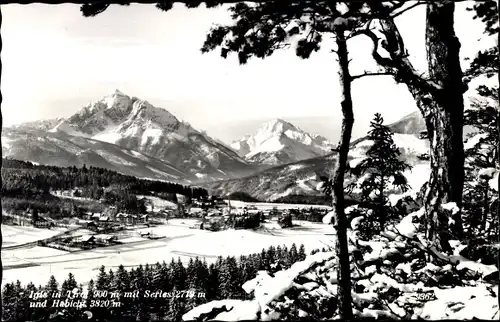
x=18 y=235
x=269 y=206
x=38 y=263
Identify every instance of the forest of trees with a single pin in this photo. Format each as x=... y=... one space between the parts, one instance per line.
x=216 y=281
x=27 y=186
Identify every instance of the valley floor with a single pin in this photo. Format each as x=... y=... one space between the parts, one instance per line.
x=36 y=264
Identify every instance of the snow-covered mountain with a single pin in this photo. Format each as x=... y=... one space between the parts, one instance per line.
x=43 y=125
x=137 y=125
x=64 y=150
x=280 y=142
x=302 y=177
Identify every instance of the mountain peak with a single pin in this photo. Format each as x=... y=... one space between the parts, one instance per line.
x=118 y=92
x=279 y=142
x=277 y=125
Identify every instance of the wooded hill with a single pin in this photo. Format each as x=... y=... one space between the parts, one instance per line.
x=25 y=185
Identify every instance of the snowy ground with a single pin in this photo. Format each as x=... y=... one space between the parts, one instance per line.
x=38 y=263
x=270 y=206
x=18 y=235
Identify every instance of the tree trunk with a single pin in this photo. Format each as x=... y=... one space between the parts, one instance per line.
x=498 y=165
x=485 y=206
x=444 y=121
x=344 y=270
x=440 y=100
x=381 y=213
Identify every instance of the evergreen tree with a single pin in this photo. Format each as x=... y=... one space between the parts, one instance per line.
x=30 y=314
x=483 y=148
x=176 y=307
x=9 y=302
x=302 y=252
x=271 y=254
x=179 y=275
x=190 y=274
x=293 y=254
x=229 y=278
x=102 y=283
x=213 y=289
x=90 y=294
x=52 y=286
x=121 y=284
x=383 y=169
x=69 y=284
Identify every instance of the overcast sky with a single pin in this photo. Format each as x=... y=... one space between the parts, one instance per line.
x=55 y=61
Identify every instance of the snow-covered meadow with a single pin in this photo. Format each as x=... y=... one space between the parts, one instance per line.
x=36 y=264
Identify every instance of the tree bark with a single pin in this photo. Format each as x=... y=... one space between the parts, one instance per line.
x=344 y=270
x=445 y=121
x=498 y=164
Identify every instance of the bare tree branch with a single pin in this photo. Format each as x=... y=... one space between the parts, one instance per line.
x=407 y=9
x=372 y=74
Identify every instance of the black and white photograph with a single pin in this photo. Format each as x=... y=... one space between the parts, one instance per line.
x=261 y=160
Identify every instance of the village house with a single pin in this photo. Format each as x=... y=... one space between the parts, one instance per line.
x=122 y=218
x=104 y=219
x=106 y=239
x=86 y=240
x=131 y=219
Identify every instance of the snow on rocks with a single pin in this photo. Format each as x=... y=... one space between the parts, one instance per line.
x=451 y=206
x=355 y=162
x=267 y=289
x=390 y=279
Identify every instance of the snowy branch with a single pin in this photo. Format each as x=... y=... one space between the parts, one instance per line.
x=483 y=269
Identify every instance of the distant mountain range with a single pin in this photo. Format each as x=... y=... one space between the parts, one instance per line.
x=303 y=177
x=131 y=136
x=279 y=142
x=133 y=124
x=42 y=147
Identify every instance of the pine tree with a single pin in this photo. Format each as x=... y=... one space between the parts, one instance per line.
x=69 y=284
x=213 y=289
x=176 y=307
x=121 y=284
x=293 y=254
x=90 y=294
x=179 y=275
x=481 y=166
x=271 y=255
x=30 y=313
x=9 y=302
x=190 y=274
x=302 y=252
x=102 y=283
x=384 y=169
x=229 y=278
